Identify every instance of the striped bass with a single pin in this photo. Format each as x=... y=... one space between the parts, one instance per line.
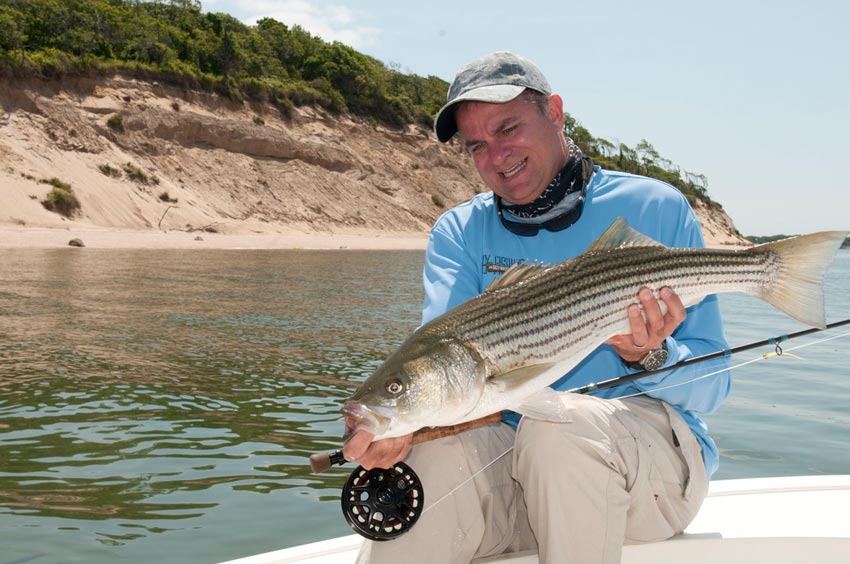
x=535 y=323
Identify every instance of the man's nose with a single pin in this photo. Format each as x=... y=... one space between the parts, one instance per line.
x=499 y=153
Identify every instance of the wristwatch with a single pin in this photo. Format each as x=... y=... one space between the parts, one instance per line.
x=653 y=360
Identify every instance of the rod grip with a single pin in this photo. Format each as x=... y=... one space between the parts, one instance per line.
x=322 y=461
x=432 y=433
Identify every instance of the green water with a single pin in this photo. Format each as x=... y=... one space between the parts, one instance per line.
x=160 y=406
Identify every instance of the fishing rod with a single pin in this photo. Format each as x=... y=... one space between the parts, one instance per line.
x=384 y=503
x=589 y=388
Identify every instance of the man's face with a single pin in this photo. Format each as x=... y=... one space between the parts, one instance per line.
x=516 y=149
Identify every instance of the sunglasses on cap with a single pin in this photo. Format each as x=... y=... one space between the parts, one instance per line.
x=557 y=223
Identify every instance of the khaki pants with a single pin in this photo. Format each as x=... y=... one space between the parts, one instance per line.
x=621 y=471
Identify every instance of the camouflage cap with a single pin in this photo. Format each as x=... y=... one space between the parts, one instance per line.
x=497 y=78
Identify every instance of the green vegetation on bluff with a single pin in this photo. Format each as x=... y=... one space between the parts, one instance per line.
x=176 y=43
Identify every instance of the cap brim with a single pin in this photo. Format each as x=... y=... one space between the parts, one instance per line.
x=444 y=124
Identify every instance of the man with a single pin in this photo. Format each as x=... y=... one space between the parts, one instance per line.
x=620 y=470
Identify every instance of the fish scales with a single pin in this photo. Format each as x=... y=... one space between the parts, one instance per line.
x=536 y=323
x=564 y=307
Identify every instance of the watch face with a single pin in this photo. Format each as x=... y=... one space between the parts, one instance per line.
x=655 y=359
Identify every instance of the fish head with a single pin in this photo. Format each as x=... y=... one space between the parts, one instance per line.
x=426 y=382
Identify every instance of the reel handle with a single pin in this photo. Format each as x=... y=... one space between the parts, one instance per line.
x=322 y=461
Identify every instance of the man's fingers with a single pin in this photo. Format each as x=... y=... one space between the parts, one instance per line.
x=640 y=337
x=675 y=309
x=652 y=312
x=377 y=454
x=651 y=321
x=356 y=446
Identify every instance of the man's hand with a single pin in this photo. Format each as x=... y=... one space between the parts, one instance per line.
x=379 y=454
x=648 y=334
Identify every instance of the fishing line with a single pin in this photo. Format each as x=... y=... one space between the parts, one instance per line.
x=592 y=387
x=469 y=479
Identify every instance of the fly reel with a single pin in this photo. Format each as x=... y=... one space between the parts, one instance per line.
x=382 y=503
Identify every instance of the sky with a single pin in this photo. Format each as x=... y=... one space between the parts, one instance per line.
x=753 y=94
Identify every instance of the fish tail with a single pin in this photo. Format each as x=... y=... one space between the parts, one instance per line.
x=797 y=285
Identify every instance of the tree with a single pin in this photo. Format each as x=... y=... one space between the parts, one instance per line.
x=647 y=154
x=605 y=147
x=12 y=38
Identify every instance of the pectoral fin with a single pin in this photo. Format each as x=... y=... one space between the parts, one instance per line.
x=546 y=405
x=520 y=376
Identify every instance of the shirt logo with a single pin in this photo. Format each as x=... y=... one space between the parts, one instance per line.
x=497 y=264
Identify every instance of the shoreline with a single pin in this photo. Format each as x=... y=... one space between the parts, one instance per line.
x=19 y=237
x=52 y=238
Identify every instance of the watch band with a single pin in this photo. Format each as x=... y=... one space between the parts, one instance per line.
x=652 y=360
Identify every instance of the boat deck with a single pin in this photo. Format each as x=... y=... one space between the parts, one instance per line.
x=788 y=520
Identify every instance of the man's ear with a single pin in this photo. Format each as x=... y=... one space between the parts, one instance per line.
x=556 y=110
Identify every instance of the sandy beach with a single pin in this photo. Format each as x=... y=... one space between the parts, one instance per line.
x=42 y=238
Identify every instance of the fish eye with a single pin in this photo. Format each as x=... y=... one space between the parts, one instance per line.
x=394 y=387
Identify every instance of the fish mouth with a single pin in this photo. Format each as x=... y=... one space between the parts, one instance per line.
x=358 y=417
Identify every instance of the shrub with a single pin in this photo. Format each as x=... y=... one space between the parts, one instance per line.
x=116 y=122
x=285 y=106
x=61 y=200
x=136 y=174
x=56 y=183
x=438 y=200
x=165 y=197
x=51 y=62
x=109 y=170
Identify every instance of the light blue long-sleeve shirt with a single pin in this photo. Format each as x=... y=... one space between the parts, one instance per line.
x=469 y=248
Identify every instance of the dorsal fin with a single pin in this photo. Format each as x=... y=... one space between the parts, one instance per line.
x=517 y=273
x=619 y=234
